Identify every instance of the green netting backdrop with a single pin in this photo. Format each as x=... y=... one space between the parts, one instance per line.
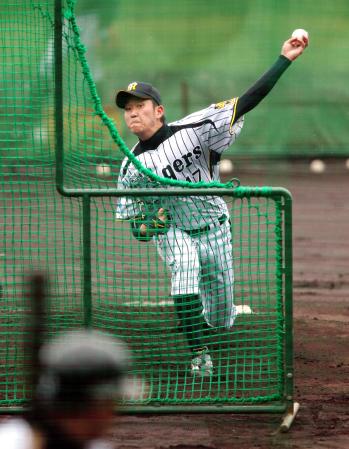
x=130 y=288
x=216 y=50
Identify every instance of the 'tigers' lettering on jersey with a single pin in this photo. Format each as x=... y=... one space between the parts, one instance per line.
x=178 y=165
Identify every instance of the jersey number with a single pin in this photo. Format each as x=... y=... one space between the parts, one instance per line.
x=195 y=176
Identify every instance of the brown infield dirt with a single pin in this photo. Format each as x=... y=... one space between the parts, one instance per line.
x=321 y=331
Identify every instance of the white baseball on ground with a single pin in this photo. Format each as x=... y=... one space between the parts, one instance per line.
x=243 y=309
x=103 y=169
x=317 y=166
x=300 y=34
x=347 y=164
x=226 y=166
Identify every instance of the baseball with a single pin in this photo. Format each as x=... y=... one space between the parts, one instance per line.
x=226 y=166
x=300 y=34
x=317 y=166
x=103 y=170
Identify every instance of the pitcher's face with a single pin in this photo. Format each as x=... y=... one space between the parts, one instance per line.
x=143 y=117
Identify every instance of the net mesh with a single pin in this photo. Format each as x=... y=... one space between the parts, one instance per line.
x=202 y=52
x=131 y=296
x=130 y=290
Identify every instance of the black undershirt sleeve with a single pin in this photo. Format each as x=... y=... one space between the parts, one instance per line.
x=261 y=88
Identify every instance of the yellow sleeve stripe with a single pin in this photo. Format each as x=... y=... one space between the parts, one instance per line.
x=235 y=101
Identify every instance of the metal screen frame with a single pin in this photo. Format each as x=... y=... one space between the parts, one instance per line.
x=287 y=404
x=282 y=196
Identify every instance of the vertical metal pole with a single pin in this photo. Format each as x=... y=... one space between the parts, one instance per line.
x=288 y=304
x=58 y=93
x=87 y=277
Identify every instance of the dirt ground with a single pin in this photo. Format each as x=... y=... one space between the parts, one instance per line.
x=321 y=331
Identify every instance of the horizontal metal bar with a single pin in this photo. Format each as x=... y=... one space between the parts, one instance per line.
x=172 y=409
x=237 y=192
x=169 y=409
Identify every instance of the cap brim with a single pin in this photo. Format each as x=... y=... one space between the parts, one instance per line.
x=123 y=95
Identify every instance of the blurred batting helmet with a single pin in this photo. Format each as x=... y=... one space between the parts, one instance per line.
x=80 y=366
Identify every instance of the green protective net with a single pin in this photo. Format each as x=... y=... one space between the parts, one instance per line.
x=100 y=274
x=199 y=52
x=131 y=296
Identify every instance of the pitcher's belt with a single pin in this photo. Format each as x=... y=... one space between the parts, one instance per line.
x=193 y=232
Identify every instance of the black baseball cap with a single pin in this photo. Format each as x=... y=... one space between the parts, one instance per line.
x=137 y=89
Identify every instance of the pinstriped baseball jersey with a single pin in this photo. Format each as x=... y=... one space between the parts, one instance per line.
x=188 y=150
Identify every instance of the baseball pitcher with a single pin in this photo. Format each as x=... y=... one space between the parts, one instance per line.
x=192 y=234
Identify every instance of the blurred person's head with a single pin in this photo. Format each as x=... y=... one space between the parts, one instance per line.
x=84 y=374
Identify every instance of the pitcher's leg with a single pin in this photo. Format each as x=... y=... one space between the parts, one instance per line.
x=217 y=280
